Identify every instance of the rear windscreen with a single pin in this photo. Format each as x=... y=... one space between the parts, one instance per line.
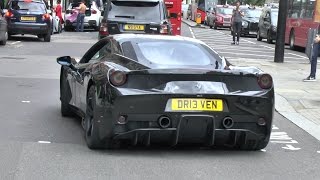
x=28 y=6
x=134 y=10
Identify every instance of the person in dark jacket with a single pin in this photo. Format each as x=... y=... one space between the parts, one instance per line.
x=314 y=59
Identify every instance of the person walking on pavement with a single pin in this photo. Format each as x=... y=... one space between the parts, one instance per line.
x=236 y=23
x=80 y=18
x=314 y=59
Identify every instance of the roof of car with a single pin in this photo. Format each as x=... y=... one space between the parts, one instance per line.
x=128 y=37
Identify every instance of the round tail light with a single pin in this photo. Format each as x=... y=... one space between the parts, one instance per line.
x=265 y=81
x=117 y=78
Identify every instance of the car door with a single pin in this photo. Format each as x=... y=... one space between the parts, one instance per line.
x=97 y=54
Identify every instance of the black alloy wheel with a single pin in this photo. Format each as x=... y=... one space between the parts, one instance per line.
x=92 y=137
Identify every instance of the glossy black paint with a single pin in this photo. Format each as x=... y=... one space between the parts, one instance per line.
x=147 y=94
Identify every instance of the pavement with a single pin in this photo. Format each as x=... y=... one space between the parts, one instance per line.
x=296 y=100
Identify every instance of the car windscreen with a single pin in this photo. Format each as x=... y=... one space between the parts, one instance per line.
x=28 y=6
x=252 y=13
x=274 y=18
x=172 y=53
x=226 y=11
x=135 y=10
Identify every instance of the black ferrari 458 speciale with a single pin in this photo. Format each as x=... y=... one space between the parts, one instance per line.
x=168 y=90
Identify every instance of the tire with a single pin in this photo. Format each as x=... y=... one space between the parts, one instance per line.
x=211 y=27
x=4 y=42
x=259 y=38
x=47 y=37
x=254 y=146
x=291 y=40
x=97 y=28
x=92 y=137
x=64 y=91
x=269 y=40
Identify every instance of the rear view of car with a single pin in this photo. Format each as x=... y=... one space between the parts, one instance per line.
x=91 y=19
x=29 y=17
x=139 y=16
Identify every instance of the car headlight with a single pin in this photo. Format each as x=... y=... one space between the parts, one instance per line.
x=274 y=28
x=245 y=24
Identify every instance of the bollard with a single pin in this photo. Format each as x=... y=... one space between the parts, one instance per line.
x=198 y=18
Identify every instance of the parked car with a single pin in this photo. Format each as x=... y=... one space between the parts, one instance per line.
x=151 y=89
x=220 y=17
x=29 y=17
x=143 y=16
x=250 y=20
x=3 y=29
x=92 y=19
x=268 y=22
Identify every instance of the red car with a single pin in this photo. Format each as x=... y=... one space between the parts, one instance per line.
x=220 y=17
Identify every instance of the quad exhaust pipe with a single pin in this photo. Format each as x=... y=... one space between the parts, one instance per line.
x=164 y=122
x=227 y=122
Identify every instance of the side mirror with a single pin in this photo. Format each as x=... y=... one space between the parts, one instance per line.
x=64 y=61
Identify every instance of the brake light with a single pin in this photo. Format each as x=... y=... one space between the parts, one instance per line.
x=265 y=81
x=93 y=11
x=164 y=29
x=104 y=29
x=8 y=14
x=46 y=16
x=117 y=77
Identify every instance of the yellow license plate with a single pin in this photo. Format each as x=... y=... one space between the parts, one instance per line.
x=132 y=27
x=28 y=18
x=196 y=104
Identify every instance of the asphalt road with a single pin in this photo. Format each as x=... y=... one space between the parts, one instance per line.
x=37 y=143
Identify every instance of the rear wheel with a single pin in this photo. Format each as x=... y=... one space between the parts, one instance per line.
x=291 y=40
x=47 y=37
x=4 y=41
x=65 y=91
x=92 y=137
x=254 y=145
x=259 y=38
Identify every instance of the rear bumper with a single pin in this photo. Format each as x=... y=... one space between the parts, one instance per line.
x=142 y=123
x=28 y=28
x=90 y=23
x=223 y=24
x=246 y=31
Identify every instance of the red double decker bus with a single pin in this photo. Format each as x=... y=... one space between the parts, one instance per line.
x=174 y=10
x=302 y=15
x=202 y=6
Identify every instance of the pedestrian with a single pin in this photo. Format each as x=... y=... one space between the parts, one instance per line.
x=58 y=11
x=236 y=23
x=80 y=18
x=314 y=59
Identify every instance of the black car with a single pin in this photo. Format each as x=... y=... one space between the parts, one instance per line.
x=151 y=89
x=268 y=24
x=29 y=17
x=138 y=16
x=250 y=21
x=3 y=29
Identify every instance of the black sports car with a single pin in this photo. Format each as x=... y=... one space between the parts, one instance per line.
x=151 y=89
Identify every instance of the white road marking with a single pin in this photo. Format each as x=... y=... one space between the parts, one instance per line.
x=266 y=46
x=16 y=42
x=247 y=41
x=290 y=147
x=298 y=55
x=263 y=150
x=44 y=142
x=318 y=152
x=274 y=127
x=25 y=101
x=192 y=32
